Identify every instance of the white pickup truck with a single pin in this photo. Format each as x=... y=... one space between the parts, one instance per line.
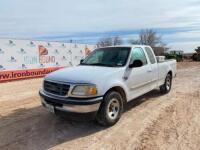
x=106 y=80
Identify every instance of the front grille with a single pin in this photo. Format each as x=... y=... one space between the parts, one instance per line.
x=56 y=88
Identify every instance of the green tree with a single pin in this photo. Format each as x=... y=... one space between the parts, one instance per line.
x=197 y=55
x=197 y=50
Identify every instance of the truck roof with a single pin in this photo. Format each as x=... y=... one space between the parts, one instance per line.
x=134 y=45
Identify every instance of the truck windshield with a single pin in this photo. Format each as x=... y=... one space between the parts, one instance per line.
x=110 y=57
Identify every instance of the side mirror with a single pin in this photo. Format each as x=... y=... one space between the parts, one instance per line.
x=136 y=64
x=81 y=61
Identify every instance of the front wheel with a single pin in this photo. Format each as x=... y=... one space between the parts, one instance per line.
x=166 y=87
x=110 y=110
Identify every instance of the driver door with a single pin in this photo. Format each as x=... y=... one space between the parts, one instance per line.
x=138 y=78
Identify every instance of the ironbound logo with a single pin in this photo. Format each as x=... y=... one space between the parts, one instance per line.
x=44 y=58
x=1 y=67
x=41 y=65
x=56 y=51
x=31 y=44
x=63 y=45
x=1 y=51
x=23 y=66
x=22 y=51
x=11 y=43
x=64 y=58
x=12 y=59
x=57 y=64
x=30 y=59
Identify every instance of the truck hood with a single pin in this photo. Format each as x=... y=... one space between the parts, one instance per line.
x=82 y=74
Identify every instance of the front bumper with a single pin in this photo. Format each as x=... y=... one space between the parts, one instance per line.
x=75 y=105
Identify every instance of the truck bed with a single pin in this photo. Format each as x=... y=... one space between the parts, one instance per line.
x=164 y=65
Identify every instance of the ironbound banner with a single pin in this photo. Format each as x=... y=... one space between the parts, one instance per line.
x=20 y=59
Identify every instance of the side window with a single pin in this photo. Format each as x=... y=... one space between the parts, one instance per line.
x=150 y=55
x=138 y=54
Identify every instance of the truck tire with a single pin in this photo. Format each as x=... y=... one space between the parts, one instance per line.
x=110 y=110
x=166 y=87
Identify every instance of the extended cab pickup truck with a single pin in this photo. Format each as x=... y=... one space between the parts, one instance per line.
x=106 y=80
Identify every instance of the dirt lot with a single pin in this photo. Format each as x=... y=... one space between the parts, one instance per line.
x=152 y=121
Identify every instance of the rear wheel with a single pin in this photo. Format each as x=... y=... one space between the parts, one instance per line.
x=166 y=87
x=110 y=110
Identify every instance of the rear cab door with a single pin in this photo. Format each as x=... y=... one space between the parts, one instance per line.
x=153 y=67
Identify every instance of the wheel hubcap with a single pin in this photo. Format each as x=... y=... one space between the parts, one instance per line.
x=113 y=108
x=168 y=83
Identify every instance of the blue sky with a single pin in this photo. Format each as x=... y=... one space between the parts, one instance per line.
x=88 y=20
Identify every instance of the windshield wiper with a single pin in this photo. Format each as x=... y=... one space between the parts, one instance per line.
x=101 y=64
x=98 y=64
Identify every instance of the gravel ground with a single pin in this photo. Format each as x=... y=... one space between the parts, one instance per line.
x=152 y=121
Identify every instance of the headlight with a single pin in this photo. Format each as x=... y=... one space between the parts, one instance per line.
x=84 y=90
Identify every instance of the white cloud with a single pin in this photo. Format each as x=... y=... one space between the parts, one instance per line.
x=187 y=35
x=34 y=18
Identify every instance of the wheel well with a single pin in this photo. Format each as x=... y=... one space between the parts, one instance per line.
x=119 y=90
x=170 y=72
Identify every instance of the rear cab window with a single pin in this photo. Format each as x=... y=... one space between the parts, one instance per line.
x=150 y=55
